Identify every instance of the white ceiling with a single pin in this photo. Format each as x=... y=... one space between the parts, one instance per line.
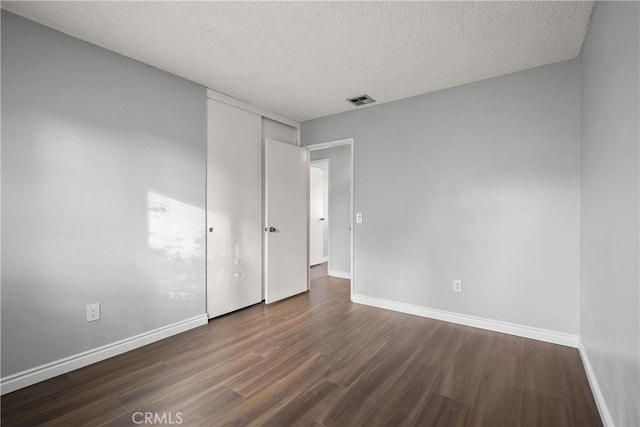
x=302 y=59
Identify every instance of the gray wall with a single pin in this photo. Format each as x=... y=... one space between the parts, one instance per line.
x=103 y=198
x=339 y=206
x=478 y=183
x=610 y=189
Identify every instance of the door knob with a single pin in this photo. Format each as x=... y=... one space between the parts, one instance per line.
x=210 y=229
x=321 y=219
x=271 y=229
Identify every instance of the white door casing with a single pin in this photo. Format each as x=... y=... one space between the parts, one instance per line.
x=351 y=143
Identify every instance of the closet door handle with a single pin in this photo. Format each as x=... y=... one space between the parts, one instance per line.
x=270 y=229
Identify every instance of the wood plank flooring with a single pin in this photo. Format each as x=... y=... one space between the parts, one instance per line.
x=318 y=360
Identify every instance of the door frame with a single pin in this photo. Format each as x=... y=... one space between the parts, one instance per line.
x=327 y=189
x=339 y=143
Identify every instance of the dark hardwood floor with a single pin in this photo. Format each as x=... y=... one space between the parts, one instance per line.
x=318 y=360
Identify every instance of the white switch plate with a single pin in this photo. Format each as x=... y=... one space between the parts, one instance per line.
x=457 y=285
x=93 y=312
x=358 y=218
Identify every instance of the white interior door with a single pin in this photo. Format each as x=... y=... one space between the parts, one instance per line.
x=234 y=208
x=316 y=216
x=286 y=219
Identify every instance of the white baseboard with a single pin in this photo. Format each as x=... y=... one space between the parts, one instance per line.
x=476 y=322
x=339 y=274
x=595 y=388
x=59 y=367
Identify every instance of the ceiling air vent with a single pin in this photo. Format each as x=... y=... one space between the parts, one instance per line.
x=361 y=100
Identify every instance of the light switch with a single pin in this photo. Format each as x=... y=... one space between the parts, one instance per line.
x=358 y=218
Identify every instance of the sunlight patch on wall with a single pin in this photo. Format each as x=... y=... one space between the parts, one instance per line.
x=175 y=228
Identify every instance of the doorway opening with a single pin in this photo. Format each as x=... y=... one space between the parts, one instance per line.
x=319 y=172
x=331 y=193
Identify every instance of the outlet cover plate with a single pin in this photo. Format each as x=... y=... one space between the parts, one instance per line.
x=457 y=285
x=93 y=312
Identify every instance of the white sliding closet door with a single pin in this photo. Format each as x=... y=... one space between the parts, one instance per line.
x=234 y=208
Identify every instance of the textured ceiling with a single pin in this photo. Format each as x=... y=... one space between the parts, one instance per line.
x=302 y=59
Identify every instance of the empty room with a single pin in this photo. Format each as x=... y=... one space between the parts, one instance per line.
x=320 y=213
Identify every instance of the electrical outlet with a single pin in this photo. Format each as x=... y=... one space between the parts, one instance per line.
x=93 y=312
x=457 y=285
x=358 y=218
